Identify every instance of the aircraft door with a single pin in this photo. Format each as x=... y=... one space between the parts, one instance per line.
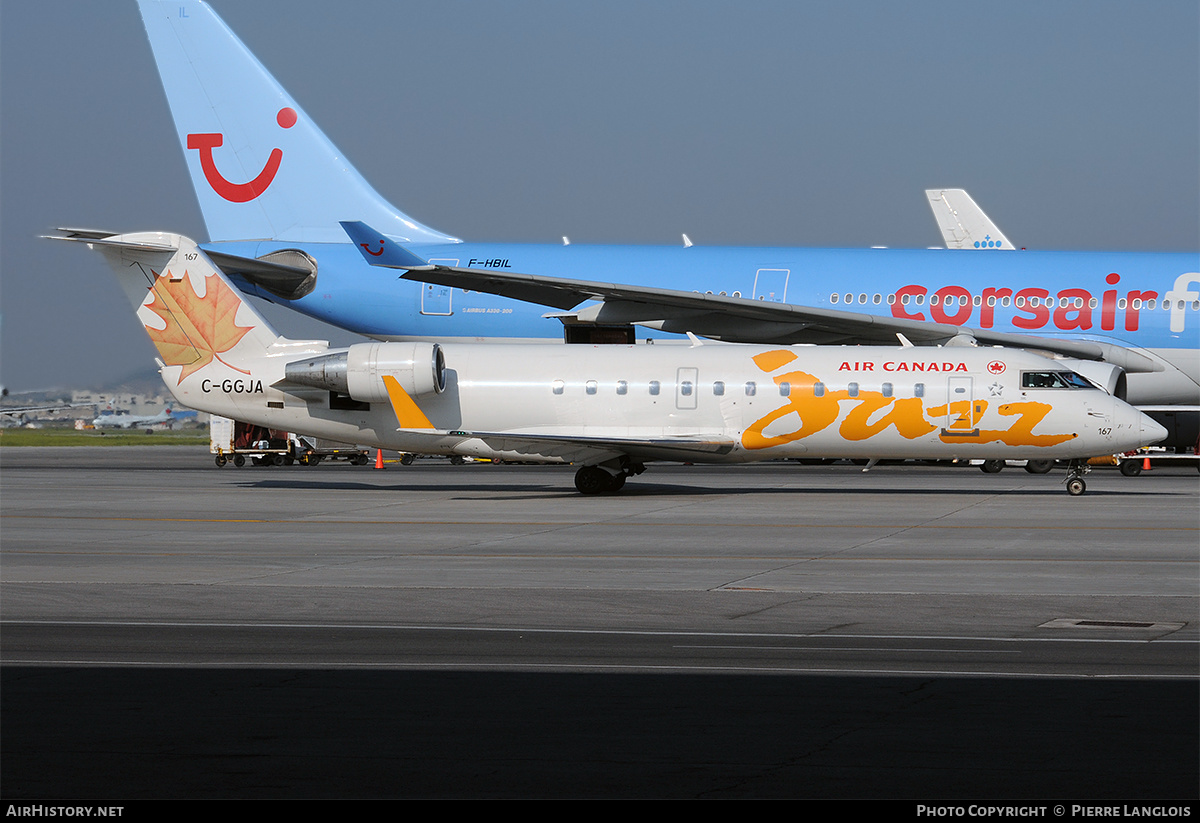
x=770 y=285
x=435 y=299
x=961 y=414
x=687 y=385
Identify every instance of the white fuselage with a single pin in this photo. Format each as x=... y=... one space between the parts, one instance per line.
x=761 y=402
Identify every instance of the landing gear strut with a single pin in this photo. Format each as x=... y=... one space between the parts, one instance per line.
x=1076 y=469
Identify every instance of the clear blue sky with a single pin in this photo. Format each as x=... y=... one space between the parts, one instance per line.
x=1074 y=125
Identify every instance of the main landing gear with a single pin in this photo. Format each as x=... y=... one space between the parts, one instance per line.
x=600 y=479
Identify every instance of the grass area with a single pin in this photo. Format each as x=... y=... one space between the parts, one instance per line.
x=71 y=437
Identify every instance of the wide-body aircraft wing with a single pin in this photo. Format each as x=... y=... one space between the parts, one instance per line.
x=722 y=317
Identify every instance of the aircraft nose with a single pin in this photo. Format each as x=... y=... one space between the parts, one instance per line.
x=1152 y=432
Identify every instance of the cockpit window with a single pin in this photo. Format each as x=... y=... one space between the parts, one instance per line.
x=1054 y=380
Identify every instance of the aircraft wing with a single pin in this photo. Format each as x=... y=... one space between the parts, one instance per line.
x=579 y=448
x=574 y=448
x=50 y=407
x=735 y=319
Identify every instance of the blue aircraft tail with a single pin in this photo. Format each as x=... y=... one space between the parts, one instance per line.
x=261 y=168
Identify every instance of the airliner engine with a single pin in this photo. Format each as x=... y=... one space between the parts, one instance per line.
x=420 y=368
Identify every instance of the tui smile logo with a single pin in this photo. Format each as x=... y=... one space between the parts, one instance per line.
x=239 y=192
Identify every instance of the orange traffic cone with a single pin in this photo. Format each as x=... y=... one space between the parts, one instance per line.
x=1146 y=465
x=379 y=458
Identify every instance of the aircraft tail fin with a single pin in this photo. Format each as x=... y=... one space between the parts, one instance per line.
x=963 y=224
x=260 y=167
x=193 y=314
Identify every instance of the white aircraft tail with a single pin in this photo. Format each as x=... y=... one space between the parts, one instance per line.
x=194 y=316
x=963 y=224
x=260 y=167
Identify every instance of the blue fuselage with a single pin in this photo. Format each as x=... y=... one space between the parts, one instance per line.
x=1148 y=302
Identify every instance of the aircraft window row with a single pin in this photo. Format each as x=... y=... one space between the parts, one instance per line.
x=1053 y=380
x=1020 y=301
x=750 y=388
x=654 y=388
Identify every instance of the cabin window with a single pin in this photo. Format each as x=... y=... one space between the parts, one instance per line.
x=887 y=389
x=590 y=387
x=718 y=388
x=1004 y=301
x=751 y=388
x=557 y=386
x=833 y=298
x=876 y=299
x=891 y=299
x=818 y=389
x=685 y=388
x=852 y=389
x=919 y=390
x=622 y=387
x=1121 y=304
x=655 y=387
x=785 y=389
x=978 y=301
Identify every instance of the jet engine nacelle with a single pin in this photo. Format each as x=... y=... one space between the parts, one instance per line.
x=419 y=368
x=1105 y=375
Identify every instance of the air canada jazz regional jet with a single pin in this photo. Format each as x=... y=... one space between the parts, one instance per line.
x=610 y=408
x=273 y=191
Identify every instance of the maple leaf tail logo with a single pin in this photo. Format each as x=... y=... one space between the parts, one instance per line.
x=198 y=329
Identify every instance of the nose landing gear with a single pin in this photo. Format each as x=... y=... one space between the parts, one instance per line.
x=1076 y=469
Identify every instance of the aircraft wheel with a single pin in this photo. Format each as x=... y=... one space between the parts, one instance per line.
x=1076 y=486
x=220 y=460
x=1131 y=468
x=1039 y=466
x=239 y=460
x=992 y=466
x=617 y=483
x=592 y=480
x=406 y=460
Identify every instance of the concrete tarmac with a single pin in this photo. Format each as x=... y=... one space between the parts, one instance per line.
x=172 y=629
